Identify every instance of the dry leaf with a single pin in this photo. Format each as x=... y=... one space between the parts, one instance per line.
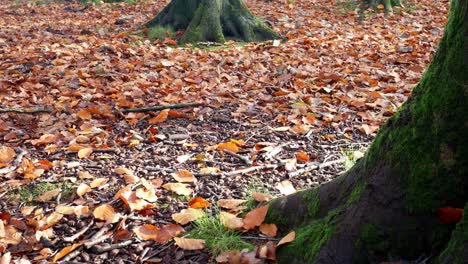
x=268 y=230
x=189 y=243
x=287 y=238
x=230 y=203
x=65 y=251
x=48 y=195
x=131 y=199
x=261 y=197
x=198 y=203
x=231 y=146
x=286 y=187
x=85 y=153
x=146 y=232
x=161 y=117
x=98 y=182
x=83 y=189
x=106 y=213
x=179 y=188
x=302 y=157
x=255 y=217
x=187 y=215
x=7 y=155
x=184 y=176
x=230 y=221
x=167 y=232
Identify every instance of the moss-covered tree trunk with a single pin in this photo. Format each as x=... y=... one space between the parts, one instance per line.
x=383 y=208
x=212 y=20
x=388 y=4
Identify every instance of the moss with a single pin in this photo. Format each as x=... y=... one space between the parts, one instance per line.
x=309 y=240
x=28 y=193
x=357 y=192
x=275 y=216
x=311 y=198
x=372 y=240
x=456 y=250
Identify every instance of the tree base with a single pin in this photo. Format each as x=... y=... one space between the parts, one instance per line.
x=212 y=21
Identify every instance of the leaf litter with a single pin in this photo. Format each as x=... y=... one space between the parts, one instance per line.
x=108 y=183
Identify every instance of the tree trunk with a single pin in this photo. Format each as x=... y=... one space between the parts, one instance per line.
x=212 y=20
x=383 y=208
x=388 y=4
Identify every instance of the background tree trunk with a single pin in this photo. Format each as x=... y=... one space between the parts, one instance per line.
x=388 y=4
x=384 y=206
x=212 y=20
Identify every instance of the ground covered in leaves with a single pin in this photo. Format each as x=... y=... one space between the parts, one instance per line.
x=90 y=171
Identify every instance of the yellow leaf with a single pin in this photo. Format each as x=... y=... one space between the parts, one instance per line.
x=381 y=7
x=65 y=251
x=187 y=215
x=179 y=188
x=83 y=189
x=85 y=153
x=107 y=213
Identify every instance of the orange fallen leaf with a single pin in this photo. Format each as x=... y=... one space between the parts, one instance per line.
x=230 y=203
x=45 y=139
x=48 y=195
x=189 y=243
x=267 y=251
x=287 y=238
x=231 y=146
x=167 y=232
x=131 y=199
x=268 y=230
x=261 y=197
x=302 y=157
x=65 y=251
x=198 y=202
x=146 y=232
x=161 y=117
x=7 y=155
x=255 y=217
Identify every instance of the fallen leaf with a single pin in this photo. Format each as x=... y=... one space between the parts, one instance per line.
x=98 y=182
x=187 y=215
x=65 y=251
x=231 y=146
x=287 y=238
x=285 y=187
x=255 y=217
x=85 y=153
x=198 y=203
x=146 y=232
x=83 y=189
x=167 y=232
x=268 y=230
x=189 y=243
x=7 y=155
x=302 y=157
x=267 y=251
x=179 y=188
x=230 y=203
x=106 y=213
x=48 y=195
x=161 y=117
x=184 y=176
x=231 y=221
x=261 y=197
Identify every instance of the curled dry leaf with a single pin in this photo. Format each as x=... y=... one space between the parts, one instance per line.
x=187 y=215
x=146 y=232
x=230 y=221
x=268 y=230
x=255 y=217
x=287 y=238
x=167 y=232
x=198 y=203
x=179 y=188
x=65 y=209
x=83 y=189
x=261 y=197
x=85 y=153
x=189 y=243
x=106 y=213
x=145 y=194
x=45 y=139
x=134 y=203
x=267 y=251
x=65 y=251
x=286 y=187
x=184 y=176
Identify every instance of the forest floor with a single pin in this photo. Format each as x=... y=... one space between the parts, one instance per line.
x=79 y=180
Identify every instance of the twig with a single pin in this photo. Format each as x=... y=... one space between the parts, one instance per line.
x=23 y=111
x=102 y=249
x=80 y=233
x=259 y=238
x=315 y=167
x=158 y=108
x=72 y=255
x=98 y=237
x=244 y=159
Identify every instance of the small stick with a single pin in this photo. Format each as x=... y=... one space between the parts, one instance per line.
x=98 y=237
x=315 y=167
x=244 y=159
x=102 y=249
x=72 y=255
x=80 y=233
x=259 y=238
x=157 y=108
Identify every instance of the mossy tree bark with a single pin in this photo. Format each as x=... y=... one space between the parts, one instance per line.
x=212 y=20
x=388 y=4
x=384 y=206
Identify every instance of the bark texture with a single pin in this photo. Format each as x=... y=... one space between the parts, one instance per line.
x=212 y=20
x=384 y=206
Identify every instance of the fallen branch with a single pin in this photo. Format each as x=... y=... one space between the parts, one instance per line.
x=98 y=237
x=127 y=110
x=244 y=159
x=102 y=249
x=80 y=233
x=315 y=167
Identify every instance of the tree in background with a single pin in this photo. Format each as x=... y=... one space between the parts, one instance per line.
x=386 y=205
x=212 y=20
x=387 y=4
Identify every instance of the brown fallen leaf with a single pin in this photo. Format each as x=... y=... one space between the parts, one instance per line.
x=261 y=197
x=198 y=203
x=255 y=217
x=7 y=155
x=184 y=176
x=268 y=230
x=287 y=238
x=146 y=232
x=106 y=213
x=98 y=182
x=48 y=195
x=230 y=221
x=189 y=243
x=85 y=153
x=161 y=117
x=83 y=189
x=230 y=203
x=179 y=188
x=267 y=251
